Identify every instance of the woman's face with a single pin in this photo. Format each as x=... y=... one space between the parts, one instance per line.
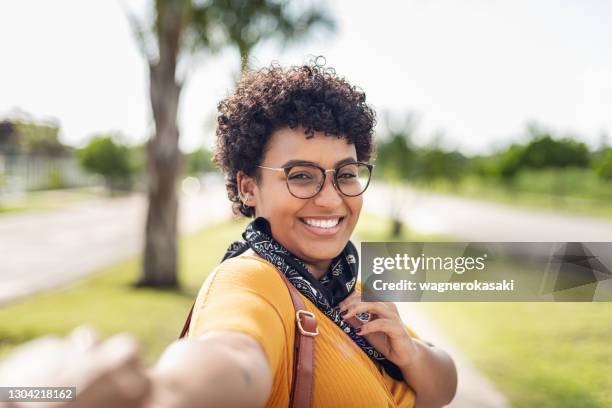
x=289 y=216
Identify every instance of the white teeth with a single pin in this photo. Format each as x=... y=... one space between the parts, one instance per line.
x=322 y=223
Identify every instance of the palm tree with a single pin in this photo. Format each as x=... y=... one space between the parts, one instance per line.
x=181 y=28
x=246 y=23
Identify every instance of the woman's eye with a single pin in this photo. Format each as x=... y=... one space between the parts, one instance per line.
x=299 y=176
x=347 y=176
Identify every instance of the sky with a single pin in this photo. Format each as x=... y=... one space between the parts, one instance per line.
x=474 y=71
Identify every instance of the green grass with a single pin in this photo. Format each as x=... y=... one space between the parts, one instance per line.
x=107 y=301
x=539 y=354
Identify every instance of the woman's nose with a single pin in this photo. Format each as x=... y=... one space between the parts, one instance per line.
x=328 y=196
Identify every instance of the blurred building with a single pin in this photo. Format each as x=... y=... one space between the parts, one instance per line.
x=32 y=158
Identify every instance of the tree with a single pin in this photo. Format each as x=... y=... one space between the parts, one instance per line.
x=246 y=23
x=396 y=162
x=435 y=162
x=543 y=151
x=9 y=138
x=31 y=137
x=180 y=28
x=103 y=156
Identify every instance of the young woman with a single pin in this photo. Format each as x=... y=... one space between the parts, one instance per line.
x=295 y=146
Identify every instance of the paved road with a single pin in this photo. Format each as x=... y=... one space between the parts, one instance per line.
x=480 y=221
x=49 y=249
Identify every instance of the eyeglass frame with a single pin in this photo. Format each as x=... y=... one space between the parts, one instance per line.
x=287 y=169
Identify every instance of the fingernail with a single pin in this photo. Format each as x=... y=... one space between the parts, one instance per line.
x=358 y=330
x=343 y=312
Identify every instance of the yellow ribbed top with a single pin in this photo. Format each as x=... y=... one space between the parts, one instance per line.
x=246 y=294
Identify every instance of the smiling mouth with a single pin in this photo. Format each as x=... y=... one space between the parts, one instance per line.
x=327 y=226
x=322 y=223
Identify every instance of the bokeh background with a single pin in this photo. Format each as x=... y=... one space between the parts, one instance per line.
x=494 y=124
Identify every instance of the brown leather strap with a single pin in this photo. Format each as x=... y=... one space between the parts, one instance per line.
x=303 y=356
x=187 y=322
x=303 y=346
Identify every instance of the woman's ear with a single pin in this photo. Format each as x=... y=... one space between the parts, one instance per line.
x=246 y=188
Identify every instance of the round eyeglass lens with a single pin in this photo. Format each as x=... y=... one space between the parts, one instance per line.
x=353 y=178
x=304 y=181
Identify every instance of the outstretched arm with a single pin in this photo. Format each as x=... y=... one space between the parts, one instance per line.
x=220 y=368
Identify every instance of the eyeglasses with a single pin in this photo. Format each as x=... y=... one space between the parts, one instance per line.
x=306 y=180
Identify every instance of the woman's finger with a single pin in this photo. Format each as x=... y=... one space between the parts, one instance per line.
x=378 y=308
x=390 y=327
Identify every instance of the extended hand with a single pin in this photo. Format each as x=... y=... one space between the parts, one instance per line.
x=105 y=373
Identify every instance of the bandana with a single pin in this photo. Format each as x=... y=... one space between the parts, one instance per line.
x=337 y=283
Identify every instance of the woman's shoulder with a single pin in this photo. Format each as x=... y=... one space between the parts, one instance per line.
x=247 y=272
x=248 y=266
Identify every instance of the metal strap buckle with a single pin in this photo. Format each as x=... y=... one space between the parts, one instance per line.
x=299 y=323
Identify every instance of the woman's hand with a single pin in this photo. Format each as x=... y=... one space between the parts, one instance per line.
x=385 y=329
x=106 y=373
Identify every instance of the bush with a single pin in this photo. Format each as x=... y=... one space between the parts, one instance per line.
x=543 y=152
x=200 y=161
x=436 y=163
x=103 y=156
x=603 y=166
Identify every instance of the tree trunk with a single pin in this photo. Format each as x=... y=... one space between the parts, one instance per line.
x=163 y=158
x=244 y=59
x=396 y=227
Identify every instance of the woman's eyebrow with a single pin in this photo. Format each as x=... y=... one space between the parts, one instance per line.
x=345 y=160
x=298 y=162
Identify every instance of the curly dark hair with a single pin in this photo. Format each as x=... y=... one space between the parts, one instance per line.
x=310 y=96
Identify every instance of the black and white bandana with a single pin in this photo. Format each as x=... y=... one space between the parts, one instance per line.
x=326 y=293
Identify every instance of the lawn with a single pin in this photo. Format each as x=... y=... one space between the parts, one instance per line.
x=539 y=354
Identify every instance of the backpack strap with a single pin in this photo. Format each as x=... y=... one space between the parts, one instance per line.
x=303 y=348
